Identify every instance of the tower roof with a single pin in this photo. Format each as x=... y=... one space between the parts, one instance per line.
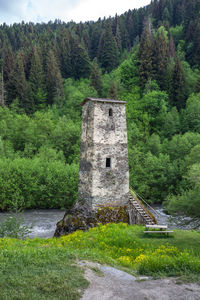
x=103 y=100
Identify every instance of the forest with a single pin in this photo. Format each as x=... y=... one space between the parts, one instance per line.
x=149 y=57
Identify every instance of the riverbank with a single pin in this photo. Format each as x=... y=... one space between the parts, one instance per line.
x=43 y=221
x=48 y=266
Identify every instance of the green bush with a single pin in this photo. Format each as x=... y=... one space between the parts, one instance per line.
x=37 y=183
x=13 y=226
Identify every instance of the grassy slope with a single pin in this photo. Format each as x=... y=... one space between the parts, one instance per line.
x=46 y=266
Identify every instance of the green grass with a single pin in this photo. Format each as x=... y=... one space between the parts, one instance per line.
x=47 y=266
x=29 y=270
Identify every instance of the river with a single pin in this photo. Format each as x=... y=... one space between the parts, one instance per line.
x=43 y=222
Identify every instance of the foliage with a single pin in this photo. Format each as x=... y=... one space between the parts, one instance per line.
x=188 y=202
x=108 y=54
x=191 y=114
x=124 y=245
x=26 y=183
x=13 y=226
x=95 y=77
x=177 y=33
x=151 y=176
x=146 y=55
x=155 y=105
x=119 y=245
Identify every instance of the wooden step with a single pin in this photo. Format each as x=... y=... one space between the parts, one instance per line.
x=140 y=209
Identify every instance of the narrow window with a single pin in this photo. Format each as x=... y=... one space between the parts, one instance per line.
x=110 y=112
x=108 y=162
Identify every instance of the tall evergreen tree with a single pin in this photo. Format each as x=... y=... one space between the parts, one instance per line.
x=80 y=60
x=178 y=96
x=124 y=33
x=145 y=55
x=36 y=80
x=17 y=86
x=2 y=90
x=172 y=48
x=117 y=33
x=113 y=94
x=95 y=77
x=65 y=53
x=160 y=57
x=8 y=63
x=95 y=37
x=197 y=87
x=53 y=78
x=108 y=53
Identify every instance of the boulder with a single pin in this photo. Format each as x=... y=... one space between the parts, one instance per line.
x=83 y=217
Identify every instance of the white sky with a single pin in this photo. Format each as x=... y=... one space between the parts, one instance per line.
x=12 y=11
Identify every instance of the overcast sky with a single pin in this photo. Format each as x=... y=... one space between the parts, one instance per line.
x=66 y=10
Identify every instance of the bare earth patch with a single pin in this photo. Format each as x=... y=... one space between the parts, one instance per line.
x=107 y=283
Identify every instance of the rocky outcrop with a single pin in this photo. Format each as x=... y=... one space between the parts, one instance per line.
x=83 y=217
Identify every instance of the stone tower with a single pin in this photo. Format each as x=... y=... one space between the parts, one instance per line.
x=104 y=171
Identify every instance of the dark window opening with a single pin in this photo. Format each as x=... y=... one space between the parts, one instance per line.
x=112 y=127
x=108 y=162
x=110 y=112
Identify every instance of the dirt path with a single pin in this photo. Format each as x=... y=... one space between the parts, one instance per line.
x=107 y=283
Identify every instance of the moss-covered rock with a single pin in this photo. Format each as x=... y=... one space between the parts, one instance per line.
x=109 y=214
x=82 y=217
x=79 y=217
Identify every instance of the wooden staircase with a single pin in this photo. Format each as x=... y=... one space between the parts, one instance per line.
x=139 y=211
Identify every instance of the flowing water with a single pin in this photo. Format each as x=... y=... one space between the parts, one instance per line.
x=180 y=222
x=43 y=222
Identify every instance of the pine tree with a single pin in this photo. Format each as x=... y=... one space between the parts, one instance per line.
x=113 y=91
x=196 y=45
x=178 y=95
x=2 y=90
x=95 y=77
x=8 y=64
x=145 y=55
x=172 y=48
x=117 y=33
x=118 y=38
x=36 y=80
x=166 y=16
x=66 y=64
x=197 y=87
x=17 y=87
x=80 y=60
x=160 y=57
x=124 y=33
x=108 y=53
x=53 y=78
x=95 y=37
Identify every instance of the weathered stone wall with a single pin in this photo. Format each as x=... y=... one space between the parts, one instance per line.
x=104 y=136
x=86 y=159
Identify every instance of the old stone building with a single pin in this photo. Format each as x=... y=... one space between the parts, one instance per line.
x=104 y=171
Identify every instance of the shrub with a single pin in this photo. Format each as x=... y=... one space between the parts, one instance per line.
x=26 y=183
x=13 y=226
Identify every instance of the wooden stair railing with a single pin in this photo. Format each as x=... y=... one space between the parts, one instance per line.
x=141 y=210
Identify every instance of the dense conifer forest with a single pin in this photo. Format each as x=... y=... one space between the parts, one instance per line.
x=149 y=57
